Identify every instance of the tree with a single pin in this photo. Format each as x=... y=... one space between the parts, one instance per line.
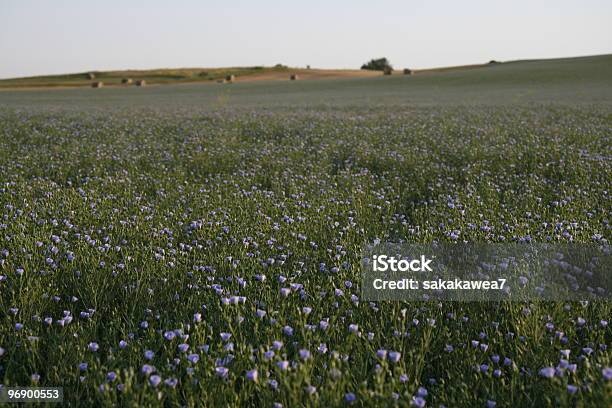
x=378 y=64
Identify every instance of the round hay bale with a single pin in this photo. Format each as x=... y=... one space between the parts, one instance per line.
x=91 y=75
x=141 y=82
x=388 y=71
x=126 y=81
x=97 y=84
x=230 y=78
x=294 y=77
x=407 y=71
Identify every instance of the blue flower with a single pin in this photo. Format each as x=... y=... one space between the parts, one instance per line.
x=252 y=375
x=395 y=356
x=547 y=372
x=417 y=402
x=350 y=397
x=154 y=380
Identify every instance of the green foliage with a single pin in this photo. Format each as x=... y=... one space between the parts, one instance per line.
x=378 y=64
x=171 y=203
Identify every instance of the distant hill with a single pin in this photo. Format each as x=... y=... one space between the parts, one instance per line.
x=179 y=75
x=592 y=71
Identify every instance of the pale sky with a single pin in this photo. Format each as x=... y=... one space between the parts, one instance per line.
x=61 y=36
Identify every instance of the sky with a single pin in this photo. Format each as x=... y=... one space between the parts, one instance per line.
x=62 y=36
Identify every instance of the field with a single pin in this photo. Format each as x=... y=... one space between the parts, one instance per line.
x=189 y=245
x=179 y=76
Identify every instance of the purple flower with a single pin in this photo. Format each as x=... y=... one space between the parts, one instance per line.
x=252 y=375
x=169 y=335
x=111 y=376
x=572 y=389
x=154 y=380
x=149 y=354
x=422 y=392
x=417 y=402
x=311 y=389
x=147 y=369
x=607 y=373
x=353 y=328
x=283 y=365
x=350 y=397
x=221 y=372
x=547 y=372
x=83 y=366
x=395 y=356
x=225 y=336
x=93 y=346
x=491 y=404
x=322 y=348
x=304 y=354
x=197 y=317
x=171 y=382
x=123 y=344
x=183 y=347
x=193 y=358
x=288 y=331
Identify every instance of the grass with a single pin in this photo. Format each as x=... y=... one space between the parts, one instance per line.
x=152 y=217
x=569 y=81
x=154 y=76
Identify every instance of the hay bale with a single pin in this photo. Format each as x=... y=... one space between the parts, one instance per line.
x=91 y=75
x=97 y=84
x=407 y=71
x=126 y=81
x=294 y=77
x=307 y=66
x=388 y=71
x=141 y=82
x=230 y=78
